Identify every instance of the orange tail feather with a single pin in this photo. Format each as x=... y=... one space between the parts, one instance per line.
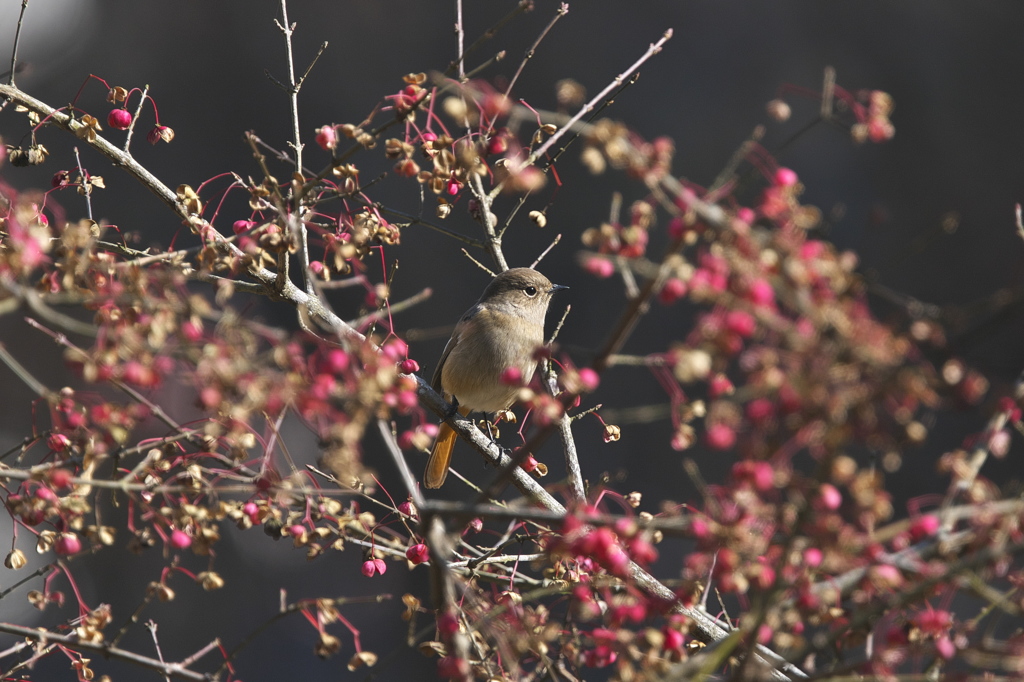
x=440 y=458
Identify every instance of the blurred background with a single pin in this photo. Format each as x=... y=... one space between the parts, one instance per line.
x=930 y=213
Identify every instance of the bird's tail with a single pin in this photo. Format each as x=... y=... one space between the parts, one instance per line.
x=440 y=458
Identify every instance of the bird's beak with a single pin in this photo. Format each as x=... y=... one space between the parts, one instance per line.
x=557 y=287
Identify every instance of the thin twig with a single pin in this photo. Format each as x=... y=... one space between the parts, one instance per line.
x=460 y=36
x=521 y=7
x=17 y=41
x=492 y=243
x=402 y=305
x=411 y=488
x=828 y=91
x=654 y=49
x=543 y=253
x=86 y=185
x=135 y=118
x=152 y=627
x=22 y=373
x=478 y=263
x=563 y=9
x=416 y=220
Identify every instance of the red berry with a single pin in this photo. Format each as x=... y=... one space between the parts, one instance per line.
x=119 y=119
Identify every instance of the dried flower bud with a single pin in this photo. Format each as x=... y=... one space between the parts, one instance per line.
x=160 y=133
x=327 y=645
x=117 y=94
x=361 y=659
x=444 y=209
x=611 y=433
x=33 y=156
x=15 y=560
x=210 y=581
x=778 y=110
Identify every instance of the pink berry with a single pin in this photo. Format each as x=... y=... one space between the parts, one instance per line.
x=406 y=440
x=369 y=568
x=784 y=177
x=45 y=494
x=512 y=376
x=761 y=293
x=67 y=543
x=600 y=267
x=417 y=554
x=58 y=442
x=924 y=526
x=396 y=349
x=760 y=410
x=589 y=379
x=673 y=290
x=337 y=360
x=719 y=386
x=240 y=226
x=673 y=639
x=829 y=497
x=180 y=539
x=119 y=119
x=60 y=478
x=192 y=331
x=720 y=437
x=945 y=648
x=409 y=366
x=740 y=322
x=327 y=137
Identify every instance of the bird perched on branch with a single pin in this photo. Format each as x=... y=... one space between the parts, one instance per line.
x=501 y=332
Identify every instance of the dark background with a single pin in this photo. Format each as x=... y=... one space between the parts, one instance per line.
x=954 y=69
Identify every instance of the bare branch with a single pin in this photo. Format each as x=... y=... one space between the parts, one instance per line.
x=654 y=49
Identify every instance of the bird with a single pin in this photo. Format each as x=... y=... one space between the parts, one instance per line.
x=502 y=331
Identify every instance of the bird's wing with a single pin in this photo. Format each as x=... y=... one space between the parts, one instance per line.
x=435 y=381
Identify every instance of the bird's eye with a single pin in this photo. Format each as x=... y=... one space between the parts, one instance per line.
x=531 y=291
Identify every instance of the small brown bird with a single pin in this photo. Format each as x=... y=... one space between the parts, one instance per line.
x=502 y=331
